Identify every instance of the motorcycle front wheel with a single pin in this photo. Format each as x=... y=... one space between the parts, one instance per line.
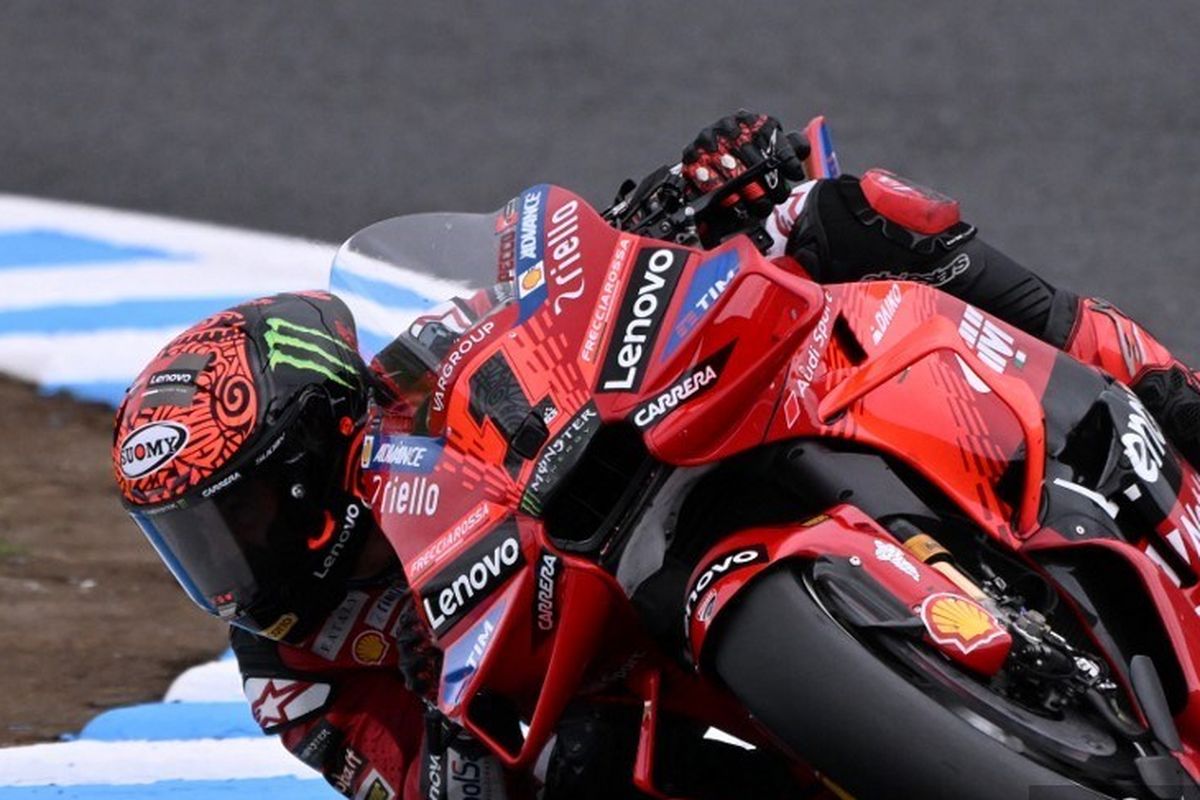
x=856 y=715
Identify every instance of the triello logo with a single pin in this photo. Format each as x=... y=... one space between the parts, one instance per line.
x=310 y=350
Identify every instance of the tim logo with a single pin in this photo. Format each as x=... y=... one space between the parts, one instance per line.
x=994 y=346
x=309 y=350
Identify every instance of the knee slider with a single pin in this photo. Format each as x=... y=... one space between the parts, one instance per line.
x=917 y=208
x=859 y=226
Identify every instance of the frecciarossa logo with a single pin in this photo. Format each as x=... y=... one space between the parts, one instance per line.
x=459 y=588
x=646 y=299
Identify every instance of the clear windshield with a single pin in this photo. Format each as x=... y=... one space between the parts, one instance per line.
x=397 y=269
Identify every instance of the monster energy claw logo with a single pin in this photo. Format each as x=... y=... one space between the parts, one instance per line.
x=307 y=349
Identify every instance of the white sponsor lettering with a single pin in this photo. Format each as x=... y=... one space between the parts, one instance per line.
x=668 y=400
x=715 y=291
x=730 y=562
x=547 y=570
x=529 y=225
x=270 y=451
x=1189 y=524
x=476 y=578
x=333 y=634
x=994 y=346
x=482 y=640
x=892 y=554
x=381 y=612
x=221 y=484
x=645 y=307
x=1144 y=444
x=151 y=447
x=886 y=313
x=604 y=303
x=1105 y=505
x=807 y=368
x=402 y=455
x=447 y=544
x=335 y=550
x=563 y=245
x=412 y=497
x=433 y=770
x=170 y=377
x=465 y=344
x=547 y=466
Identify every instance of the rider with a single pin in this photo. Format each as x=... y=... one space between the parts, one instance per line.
x=236 y=453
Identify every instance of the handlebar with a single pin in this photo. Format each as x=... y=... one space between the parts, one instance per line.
x=659 y=206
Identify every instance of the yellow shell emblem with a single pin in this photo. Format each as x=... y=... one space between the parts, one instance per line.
x=959 y=622
x=531 y=279
x=369 y=648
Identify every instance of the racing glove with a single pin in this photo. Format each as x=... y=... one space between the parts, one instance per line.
x=734 y=144
x=420 y=661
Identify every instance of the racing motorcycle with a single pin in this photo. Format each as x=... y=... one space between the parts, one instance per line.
x=869 y=528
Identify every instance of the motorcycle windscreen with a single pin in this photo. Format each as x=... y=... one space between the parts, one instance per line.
x=396 y=270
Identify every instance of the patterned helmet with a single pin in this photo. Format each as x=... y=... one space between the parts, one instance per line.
x=231 y=451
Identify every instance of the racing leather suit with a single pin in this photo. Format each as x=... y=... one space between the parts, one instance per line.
x=339 y=700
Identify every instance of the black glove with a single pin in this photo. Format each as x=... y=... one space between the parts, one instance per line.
x=733 y=144
x=420 y=661
x=1173 y=397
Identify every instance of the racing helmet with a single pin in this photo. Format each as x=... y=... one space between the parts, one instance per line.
x=233 y=453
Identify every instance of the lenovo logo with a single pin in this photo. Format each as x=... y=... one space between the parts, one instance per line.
x=462 y=586
x=646 y=298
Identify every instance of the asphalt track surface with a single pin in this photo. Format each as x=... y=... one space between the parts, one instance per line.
x=1070 y=131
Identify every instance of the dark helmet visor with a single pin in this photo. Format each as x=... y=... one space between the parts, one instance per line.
x=250 y=549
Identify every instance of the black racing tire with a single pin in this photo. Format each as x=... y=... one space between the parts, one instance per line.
x=844 y=711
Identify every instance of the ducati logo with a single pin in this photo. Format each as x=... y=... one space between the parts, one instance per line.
x=151 y=447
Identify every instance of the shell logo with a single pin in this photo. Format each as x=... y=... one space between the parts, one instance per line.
x=370 y=648
x=531 y=279
x=958 y=622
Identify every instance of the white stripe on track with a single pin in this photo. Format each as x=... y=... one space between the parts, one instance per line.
x=55 y=358
x=37 y=287
x=137 y=762
x=215 y=682
x=137 y=229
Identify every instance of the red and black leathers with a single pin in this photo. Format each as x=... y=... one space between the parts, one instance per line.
x=338 y=700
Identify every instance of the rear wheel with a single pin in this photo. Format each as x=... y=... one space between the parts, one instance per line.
x=900 y=721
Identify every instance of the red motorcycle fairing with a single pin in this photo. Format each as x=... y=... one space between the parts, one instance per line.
x=954 y=624
x=702 y=355
x=933 y=381
x=595 y=335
